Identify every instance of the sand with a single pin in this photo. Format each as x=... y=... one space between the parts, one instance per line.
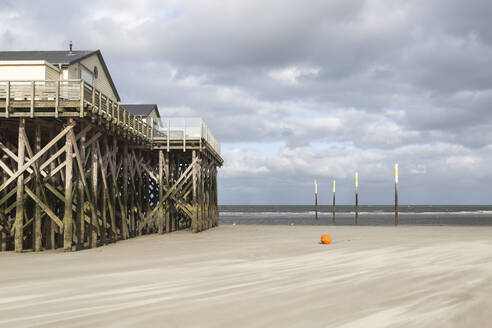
x=259 y=276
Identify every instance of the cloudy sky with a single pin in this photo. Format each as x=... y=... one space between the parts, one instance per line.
x=297 y=90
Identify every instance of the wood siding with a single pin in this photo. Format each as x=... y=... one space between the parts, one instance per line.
x=102 y=82
x=51 y=73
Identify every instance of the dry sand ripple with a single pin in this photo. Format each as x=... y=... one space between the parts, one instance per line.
x=259 y=276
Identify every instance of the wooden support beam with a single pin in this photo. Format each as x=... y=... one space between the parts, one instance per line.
x=94 y=218
x=37 y=245
x=195 y=219
x=105 y=187
x=80 y=225
x=104 y=215
x=19 y=212
x=21 y=170
x=124 y=208
x=68 y=218
x=44 y=207
x=3 y=222
x=161 y=200
x=161 y=191
x=50 y=229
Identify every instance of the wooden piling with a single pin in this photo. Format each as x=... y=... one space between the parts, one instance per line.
x=161 y=222
x=80 y=220
x=167 y=205
x=68 y=218
x=195 y=218
x=396 y=194
x=124 y=211
x=333 y=206
x=37 y=245
x=356 y=197
x=50 y=238
x=3 y=219
x=95 y=198
x=19 y=212
x=315 y=199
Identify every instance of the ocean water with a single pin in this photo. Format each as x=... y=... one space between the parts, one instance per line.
x=345 y=215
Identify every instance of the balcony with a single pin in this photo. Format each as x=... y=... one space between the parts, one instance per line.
x=76 y=98
x=184 y=129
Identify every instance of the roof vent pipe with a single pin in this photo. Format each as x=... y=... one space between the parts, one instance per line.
x=70 y=46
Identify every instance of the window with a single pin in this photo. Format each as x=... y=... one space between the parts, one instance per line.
x=95 y=72
x=86 y=75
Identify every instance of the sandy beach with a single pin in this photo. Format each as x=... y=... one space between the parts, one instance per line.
x=259 y=276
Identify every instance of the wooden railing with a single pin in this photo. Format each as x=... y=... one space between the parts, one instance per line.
x=78 y=91
x=78 y=95
x=184 y=128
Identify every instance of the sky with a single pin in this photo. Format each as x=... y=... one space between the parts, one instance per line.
x=301 y=90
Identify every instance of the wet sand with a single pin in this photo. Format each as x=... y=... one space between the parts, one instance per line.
x=259 y=276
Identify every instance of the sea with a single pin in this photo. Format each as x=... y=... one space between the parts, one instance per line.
x=369 y=215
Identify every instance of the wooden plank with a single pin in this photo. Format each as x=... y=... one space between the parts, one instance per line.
x=81 y=109
x=6 y=168
x=7 y=101
x=33 y=95
x=57 y=99
x=44 y=207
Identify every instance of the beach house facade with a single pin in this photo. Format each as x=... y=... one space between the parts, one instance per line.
x=85 y=65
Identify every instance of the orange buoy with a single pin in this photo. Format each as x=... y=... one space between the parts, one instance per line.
x=325 y=239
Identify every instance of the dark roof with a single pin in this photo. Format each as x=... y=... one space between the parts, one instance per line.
x=52 y=57
x=141 y=109
x=59 y=57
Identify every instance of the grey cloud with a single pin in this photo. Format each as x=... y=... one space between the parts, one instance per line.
x=386 y=81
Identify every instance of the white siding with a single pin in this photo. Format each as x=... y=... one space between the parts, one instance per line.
x=28 y=70
x=102 y=82
x=22 y=72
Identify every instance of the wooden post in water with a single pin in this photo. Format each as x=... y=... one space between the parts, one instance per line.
x=333 y=206
x=316 y=199
x=356 y=197
x=396 y=194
